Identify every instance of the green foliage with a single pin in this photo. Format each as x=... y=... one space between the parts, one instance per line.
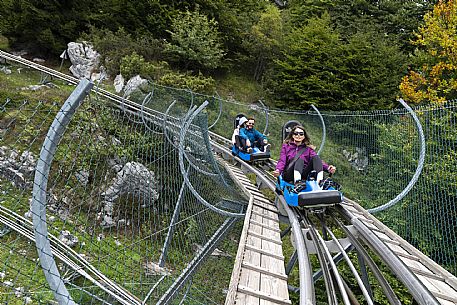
x=250 y=37
x=372 y=69
x=44 y=26
x=319 y=68
x=396 y=19
x=264 y=39
x=307 y=72
x=114 y=46
x=235 y=19
x=135 y=64
x=195 y=41
x=4 y=44
x=132 y=65
x=197 y=83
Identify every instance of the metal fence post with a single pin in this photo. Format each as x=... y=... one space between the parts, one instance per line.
x=53 y=137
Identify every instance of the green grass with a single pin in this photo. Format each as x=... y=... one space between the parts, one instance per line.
x=15 y=86
x=118 y=263
x=4 y=43
x=239 y=87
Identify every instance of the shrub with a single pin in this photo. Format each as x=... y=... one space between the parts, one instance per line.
x=197 y=83
x=115 y=46
x=135 y=64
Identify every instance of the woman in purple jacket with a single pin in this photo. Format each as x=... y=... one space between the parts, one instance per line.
x=307 y=162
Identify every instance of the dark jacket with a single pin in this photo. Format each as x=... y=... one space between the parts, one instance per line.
x=251 y=134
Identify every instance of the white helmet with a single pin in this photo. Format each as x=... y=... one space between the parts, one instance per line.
x=242 y=121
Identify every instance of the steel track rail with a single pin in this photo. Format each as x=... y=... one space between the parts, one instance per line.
x=385 y=286
x=328 y=260
x=25 y=228
x=324 y=261
x=352 y=267
x=218 y=141
x=417 y=289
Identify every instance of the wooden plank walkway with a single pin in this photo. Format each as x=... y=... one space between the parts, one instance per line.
x=259 y=273
x=441 y=283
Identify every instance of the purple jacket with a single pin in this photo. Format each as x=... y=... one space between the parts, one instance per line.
x=288 y=152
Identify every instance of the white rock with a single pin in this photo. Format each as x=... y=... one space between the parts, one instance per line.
x=119 y=83
x=84 y=59
x=133 y=84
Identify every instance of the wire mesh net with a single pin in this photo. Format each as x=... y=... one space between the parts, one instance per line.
x=376 y=154
x=125 y=220
x=122 y=224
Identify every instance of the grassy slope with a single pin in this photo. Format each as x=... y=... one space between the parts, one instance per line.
x=239 y=87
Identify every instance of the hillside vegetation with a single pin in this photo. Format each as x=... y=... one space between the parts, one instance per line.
x=333 y=54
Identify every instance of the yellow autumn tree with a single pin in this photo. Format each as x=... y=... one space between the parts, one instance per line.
x=436 y=80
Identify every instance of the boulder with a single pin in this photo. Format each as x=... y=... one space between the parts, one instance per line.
x=134 y=178
x=84 y=59
x=133 y=84
x=119 y=83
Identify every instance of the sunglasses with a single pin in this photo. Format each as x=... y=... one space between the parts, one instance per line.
x=298 y=133
x=250 y=124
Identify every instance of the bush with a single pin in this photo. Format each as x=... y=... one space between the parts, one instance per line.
x=195 y=41
x=135 y=64
x=197 y=83
x=115 y=46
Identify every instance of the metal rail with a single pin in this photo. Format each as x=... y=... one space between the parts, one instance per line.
x=416 y=287
x=419 y=291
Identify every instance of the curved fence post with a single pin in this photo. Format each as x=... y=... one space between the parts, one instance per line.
x=324 y=132
x=182 y=135
x=55 y=134
x=219 y=114
x=205 y=136
x=265 y=108
x=420 y=164
x=165 y=127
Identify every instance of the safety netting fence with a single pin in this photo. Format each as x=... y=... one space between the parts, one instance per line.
x=378 y=156
x=135 y=202
x=126 y=205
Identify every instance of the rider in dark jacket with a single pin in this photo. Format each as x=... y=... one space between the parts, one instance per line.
x=256 y=138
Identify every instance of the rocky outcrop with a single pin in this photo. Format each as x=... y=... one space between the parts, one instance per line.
x=84 y=59
x=358 y=159
x=17 y=167
x=68 y=239
x=133 y=84
x=119 y=83
x=134 y=178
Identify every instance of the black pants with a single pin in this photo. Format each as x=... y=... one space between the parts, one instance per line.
x=315 y=164
x=240 y=143
x=259 y=143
